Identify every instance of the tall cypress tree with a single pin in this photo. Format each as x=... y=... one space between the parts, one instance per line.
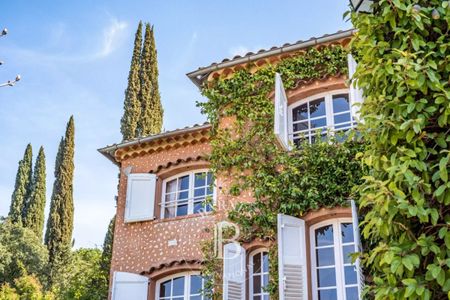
x=150 y=121
x=58 y=236
x=34 y=217
x=132 y=105
x=105 y=263
x=22 y=187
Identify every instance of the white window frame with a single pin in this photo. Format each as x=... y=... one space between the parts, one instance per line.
x=329 y=113
x=338 y=258
x=251 y=274
x=187 y=284
x=190 y=191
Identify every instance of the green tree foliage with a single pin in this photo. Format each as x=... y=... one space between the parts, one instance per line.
x=132 y=104
x=150 y=121
x=34 y=218
x=105 y=263
x=403 y=52
x=85 y=281
x=21 y=253
x=25 y=288
x=58 y=237
x=22 y=187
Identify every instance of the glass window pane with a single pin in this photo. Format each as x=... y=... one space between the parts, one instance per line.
x=199 y=192
x=178 y=286
x=265 y=280
x=328 y=294
x=266 y=297
x=340 y=103
x=344 y=118
x=200 y=179
x=350 y=275
x=346 y=252
x=317 y=108
x=164 y=289
x=256 y=297
x=300 y=113
x=322 y=122
x=196 y=297
x=183 y=195
x=169 y=212
x=351 y=293
x=324 y=236
x=196 y=284
x=257 y=263
x=210 y=178
x=183 y=183
x=347 y=232
x=182 y=210
x=300 y=126
x=256 y=284
x=265 y=262
x=171 y=197
x=171 y=186
x=325 y=257
x=326 y=277
x=199 y=207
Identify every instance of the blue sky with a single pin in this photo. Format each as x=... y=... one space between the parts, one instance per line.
x=74 y=58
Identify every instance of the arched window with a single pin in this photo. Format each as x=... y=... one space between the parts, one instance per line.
x=259 y=275
x=187 y=193
x=312 y=117
x=333 y=274
x=184 y=286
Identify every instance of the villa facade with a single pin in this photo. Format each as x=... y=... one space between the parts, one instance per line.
x=168 y=201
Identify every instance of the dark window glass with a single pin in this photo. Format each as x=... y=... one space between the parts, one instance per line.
x=178 y=286
x=171 y=186
x=301 y=126
x=164 y=289
x=183 y=195
x=346 y=252
x=265 y=262
x=169 y=212
x=343 y=118
x=196 y=284
x=257 y=263
x=325 y=257
x=183 y=183
x=328 y=294
x=200 y=179
x=326 y=277
x=322 y=122
x=317 y=108
x=182 y=210
x=351 y=293
x=300 y=113
x=347 y=232
x=256 y=284
x=350 y=275
x=199 y=192
x=340 y=103
x=324 y=236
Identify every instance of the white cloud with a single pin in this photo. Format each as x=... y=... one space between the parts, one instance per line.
x=112 y=37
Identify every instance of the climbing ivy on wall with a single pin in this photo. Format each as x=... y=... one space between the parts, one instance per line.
x=404 y=70
x=293 y=183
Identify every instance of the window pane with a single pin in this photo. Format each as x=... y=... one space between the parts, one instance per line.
x=183 y=195
x=257 y=263
x=350 y=275
x=171 y=186
x=325 y=257
x=351 y=293
x=178 y=286
x=347 y=232
x=199 y=207
x=340 y=103
x=196 y=284
x=183 y=183
x=199 y=192
x=328 y=294
x=265 y=280
x=300 y=113
x=182 y=210
x=210 y=178
x=346 y=251
x=266 y=297
x=344 y=118
x=326 y=277
x=171 y=198
x=322 y=122
x=169 y=212
x=256 y=297
x=317 y=108
x=200 y=179
x=301 y=126
x=324 y=236
x=265 y=262
x=164 y=289
x=256 y=284
x=196 y=298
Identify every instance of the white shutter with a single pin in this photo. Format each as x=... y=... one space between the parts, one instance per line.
x=356 y=96
x=140 y=203
x=281 y=113
x=233 y=272
x=358 y=248
x=293 y=280
x=129 y=286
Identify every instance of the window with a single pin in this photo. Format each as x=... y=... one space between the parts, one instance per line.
x=187 y=193
x=189 y=286
x=314 y=116
x=259 y=275
x=333 y=274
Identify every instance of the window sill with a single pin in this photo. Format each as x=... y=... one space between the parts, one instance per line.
x=175 y=219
